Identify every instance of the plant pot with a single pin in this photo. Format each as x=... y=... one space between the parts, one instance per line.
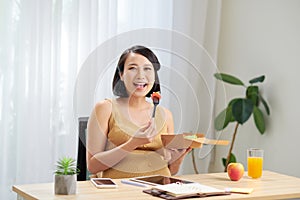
x=65 y=184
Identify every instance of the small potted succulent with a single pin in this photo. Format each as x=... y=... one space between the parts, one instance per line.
x=65 y=176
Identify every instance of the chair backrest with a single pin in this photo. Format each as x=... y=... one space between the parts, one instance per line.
x=81 y=156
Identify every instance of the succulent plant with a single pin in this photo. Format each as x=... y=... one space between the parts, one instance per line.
x=66 y=166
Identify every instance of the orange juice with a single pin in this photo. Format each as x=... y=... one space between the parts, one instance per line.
x=255 y=167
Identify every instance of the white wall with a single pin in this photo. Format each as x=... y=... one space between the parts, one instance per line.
x=263 y=37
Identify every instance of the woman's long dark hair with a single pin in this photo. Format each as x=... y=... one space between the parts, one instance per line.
x=118 y=85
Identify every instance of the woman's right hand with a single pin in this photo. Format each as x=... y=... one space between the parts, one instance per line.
x=144 y=135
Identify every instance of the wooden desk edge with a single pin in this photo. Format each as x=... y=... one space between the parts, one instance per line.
x=19 y=192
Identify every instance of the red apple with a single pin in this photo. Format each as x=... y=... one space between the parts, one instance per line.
x=235 y=171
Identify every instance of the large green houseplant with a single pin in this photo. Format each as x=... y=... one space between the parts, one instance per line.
x=240 y=109
x=65 y=176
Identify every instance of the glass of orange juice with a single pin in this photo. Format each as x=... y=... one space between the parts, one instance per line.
x=255 y=162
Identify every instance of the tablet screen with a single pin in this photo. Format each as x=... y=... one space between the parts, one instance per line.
x=159 y=180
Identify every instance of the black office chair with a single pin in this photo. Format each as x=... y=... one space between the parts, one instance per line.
x=81 y=157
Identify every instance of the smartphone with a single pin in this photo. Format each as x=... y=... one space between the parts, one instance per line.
x=104 y=183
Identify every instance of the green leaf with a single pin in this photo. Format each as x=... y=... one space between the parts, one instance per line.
x=242 y=109
x=233 y=101
x=222 y=120
x=259 y=119
x=252 y=93
x=66 y=166
x=228 y=79
x=232 y=119
x=230 y=116
x=265 y=104
x=224 y=161
x=232 y=159
x=258 y=79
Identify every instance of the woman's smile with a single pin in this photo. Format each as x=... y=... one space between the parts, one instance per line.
x=140 y=86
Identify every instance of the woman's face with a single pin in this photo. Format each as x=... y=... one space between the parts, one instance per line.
x=138 y=75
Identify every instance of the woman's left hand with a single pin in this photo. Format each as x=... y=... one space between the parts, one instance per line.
x=172 y=155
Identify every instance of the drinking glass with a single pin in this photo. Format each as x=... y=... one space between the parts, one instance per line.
x=255 y=162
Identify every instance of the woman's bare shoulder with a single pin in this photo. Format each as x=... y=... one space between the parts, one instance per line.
x=169 y=120
x=167 y=112
x=103 y=107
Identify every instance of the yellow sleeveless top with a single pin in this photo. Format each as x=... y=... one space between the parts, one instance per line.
x=144 y=160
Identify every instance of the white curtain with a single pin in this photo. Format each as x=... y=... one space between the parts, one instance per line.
x=45 y=44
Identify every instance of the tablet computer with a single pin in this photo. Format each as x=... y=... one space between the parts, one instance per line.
x=159 y=180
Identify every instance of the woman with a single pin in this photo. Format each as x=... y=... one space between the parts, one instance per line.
x=123 y=140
